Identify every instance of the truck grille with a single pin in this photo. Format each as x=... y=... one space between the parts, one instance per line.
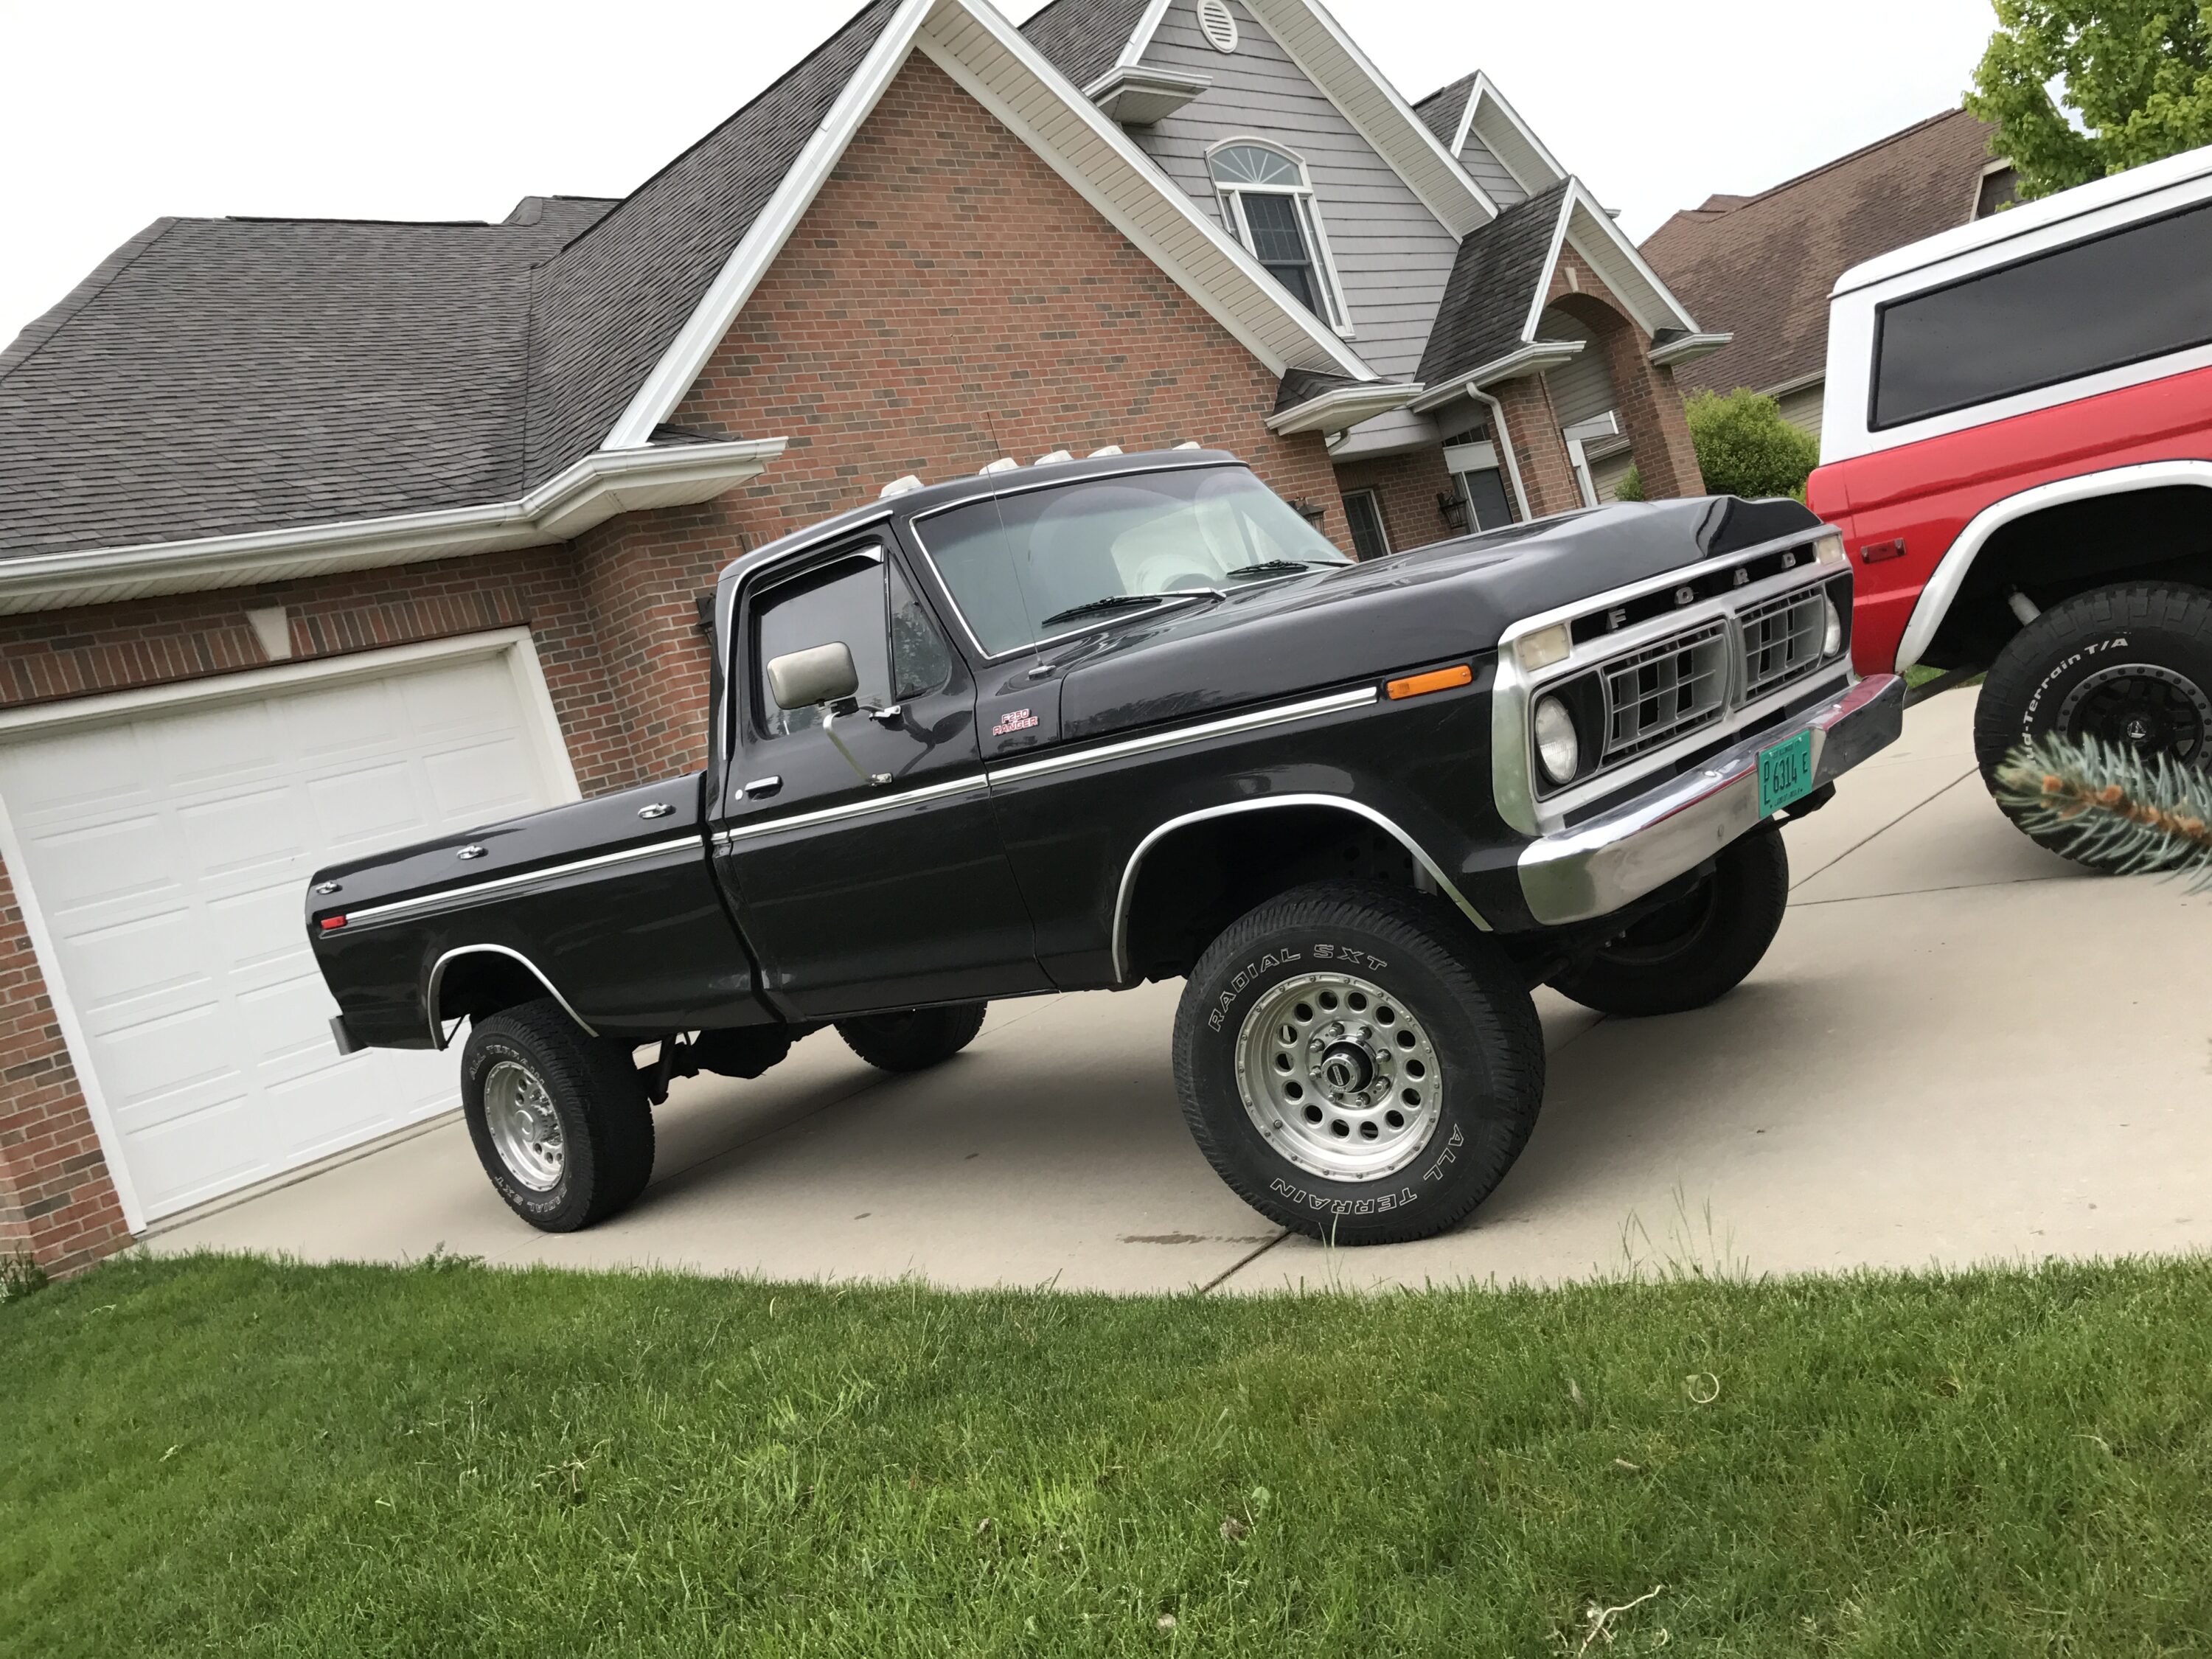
x=1782 y=639
x=1665 y=691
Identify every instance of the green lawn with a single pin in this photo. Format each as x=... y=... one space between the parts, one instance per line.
x=230 y=1457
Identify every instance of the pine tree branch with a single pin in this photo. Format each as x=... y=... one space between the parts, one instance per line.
x=2113 y=807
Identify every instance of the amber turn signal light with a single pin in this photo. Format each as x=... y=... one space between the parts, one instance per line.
x=1437 y=679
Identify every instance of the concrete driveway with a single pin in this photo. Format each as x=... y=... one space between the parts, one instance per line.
x=1959 y=1049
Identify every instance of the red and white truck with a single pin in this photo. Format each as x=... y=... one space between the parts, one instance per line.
x=2017 y=446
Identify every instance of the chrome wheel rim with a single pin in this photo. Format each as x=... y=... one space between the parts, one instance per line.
x=1339 y=1076
x=526 y=1130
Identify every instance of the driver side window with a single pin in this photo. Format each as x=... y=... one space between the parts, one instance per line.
x=843 y=600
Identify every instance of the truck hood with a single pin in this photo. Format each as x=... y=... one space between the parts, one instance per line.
x=1454 y=598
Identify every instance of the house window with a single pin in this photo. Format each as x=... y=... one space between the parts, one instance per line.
x=1473 y=461
x=1365 y=514
x=1269 y=204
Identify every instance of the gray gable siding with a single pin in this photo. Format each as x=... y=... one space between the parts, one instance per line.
x=1393 y=256
x=1490 y=172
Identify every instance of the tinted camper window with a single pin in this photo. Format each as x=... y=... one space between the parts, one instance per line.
x=2136 y=294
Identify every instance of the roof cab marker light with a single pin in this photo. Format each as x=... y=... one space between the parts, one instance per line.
x=1829 y=549
x=332 y=924
x=1437 y=679
x=1053 y=459
x=1098 y=454
x=1190 y=443
x=1003 y=464
x=1543 y=647
x=905 y=486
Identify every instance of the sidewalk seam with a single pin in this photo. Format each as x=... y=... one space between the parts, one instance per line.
x=1877 y=834
x=1235 y=1268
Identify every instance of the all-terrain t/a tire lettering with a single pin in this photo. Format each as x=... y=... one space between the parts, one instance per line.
x=1358 y=1063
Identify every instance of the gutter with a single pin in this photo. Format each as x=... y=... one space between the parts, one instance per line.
x=592 y=490
x=1345 y=407
x=1687 y=347
x=1536 y=358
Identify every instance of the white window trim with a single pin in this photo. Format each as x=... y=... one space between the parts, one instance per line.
x=1324 y=258
x=1375 y=502
x=515 y=645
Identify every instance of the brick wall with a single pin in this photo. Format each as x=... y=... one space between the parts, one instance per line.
x=1406 y=488
x=949 y=300
x=1645 y=396
x=56 y=1203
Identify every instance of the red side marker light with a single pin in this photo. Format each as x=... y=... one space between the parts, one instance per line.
x=332 y=924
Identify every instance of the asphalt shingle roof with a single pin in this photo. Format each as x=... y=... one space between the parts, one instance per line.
x=1441 y=109
x=216 y=376
x=1762 y=266
x=1492 y=281
x=220 y=375
x=1083 y=39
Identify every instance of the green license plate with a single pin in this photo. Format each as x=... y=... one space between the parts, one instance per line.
x=1785 y=773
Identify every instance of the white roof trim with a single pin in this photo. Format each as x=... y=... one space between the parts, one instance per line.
x=1345 y=407
x=1183 y=240
x=1314 y=42
x=1139 y=97
x=1485 y=90
x=1688 y=348
x=1141 y=38
x=1602 y=242
x=1538 y=358
x=591 y=491
x=1132 y=194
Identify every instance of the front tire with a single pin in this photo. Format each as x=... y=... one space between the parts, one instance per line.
x=1358 y=1063
x=915 y=1040
x=1696 y=949
x=2130 y=667
x=559 y=1118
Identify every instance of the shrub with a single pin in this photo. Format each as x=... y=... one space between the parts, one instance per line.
x=1744 y=447
x=19 y=1276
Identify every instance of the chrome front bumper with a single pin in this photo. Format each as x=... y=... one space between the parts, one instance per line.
x=1596 y=867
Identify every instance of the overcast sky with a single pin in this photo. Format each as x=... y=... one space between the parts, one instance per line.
x=118 y=113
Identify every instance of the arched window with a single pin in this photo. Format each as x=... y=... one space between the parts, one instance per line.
x=1269 y=202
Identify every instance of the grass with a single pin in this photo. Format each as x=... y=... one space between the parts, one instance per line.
x=225 y=1455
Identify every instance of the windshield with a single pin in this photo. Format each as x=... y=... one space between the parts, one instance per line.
x=1025 y=567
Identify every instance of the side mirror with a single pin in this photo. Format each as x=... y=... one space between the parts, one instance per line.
x=819 y=674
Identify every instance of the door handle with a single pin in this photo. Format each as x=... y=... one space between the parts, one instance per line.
x=660 y=808
x=760 y=788
x=886 y=716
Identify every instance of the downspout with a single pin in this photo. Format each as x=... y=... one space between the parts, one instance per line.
x=1504 y=445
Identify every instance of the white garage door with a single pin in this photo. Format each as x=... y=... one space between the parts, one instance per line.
x=166 y=853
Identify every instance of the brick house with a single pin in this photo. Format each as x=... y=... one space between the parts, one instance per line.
x=317 y=536
x=1768 y=262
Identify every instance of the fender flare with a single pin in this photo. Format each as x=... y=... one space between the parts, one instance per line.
x=1230 y=809
x=438 y=1038
x=1942 y=585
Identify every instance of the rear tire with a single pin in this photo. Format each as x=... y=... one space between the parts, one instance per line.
x=1698 y=949
x=559 y=1118
x=1358 y=1063
x=2127 y=666
x=915 y=1040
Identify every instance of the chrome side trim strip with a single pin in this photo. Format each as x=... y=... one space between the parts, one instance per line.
x=851 y=809
x=440 y=1036
x=1341 y=802
x=1252 y=721
x=520 y=879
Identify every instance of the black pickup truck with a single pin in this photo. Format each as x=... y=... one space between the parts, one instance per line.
x=1077 y=726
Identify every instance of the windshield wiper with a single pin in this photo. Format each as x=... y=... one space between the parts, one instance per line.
x=1113 y=602
x=1281 y=567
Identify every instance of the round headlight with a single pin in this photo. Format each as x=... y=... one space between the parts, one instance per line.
x=1832 y=641
x=1557 y=750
